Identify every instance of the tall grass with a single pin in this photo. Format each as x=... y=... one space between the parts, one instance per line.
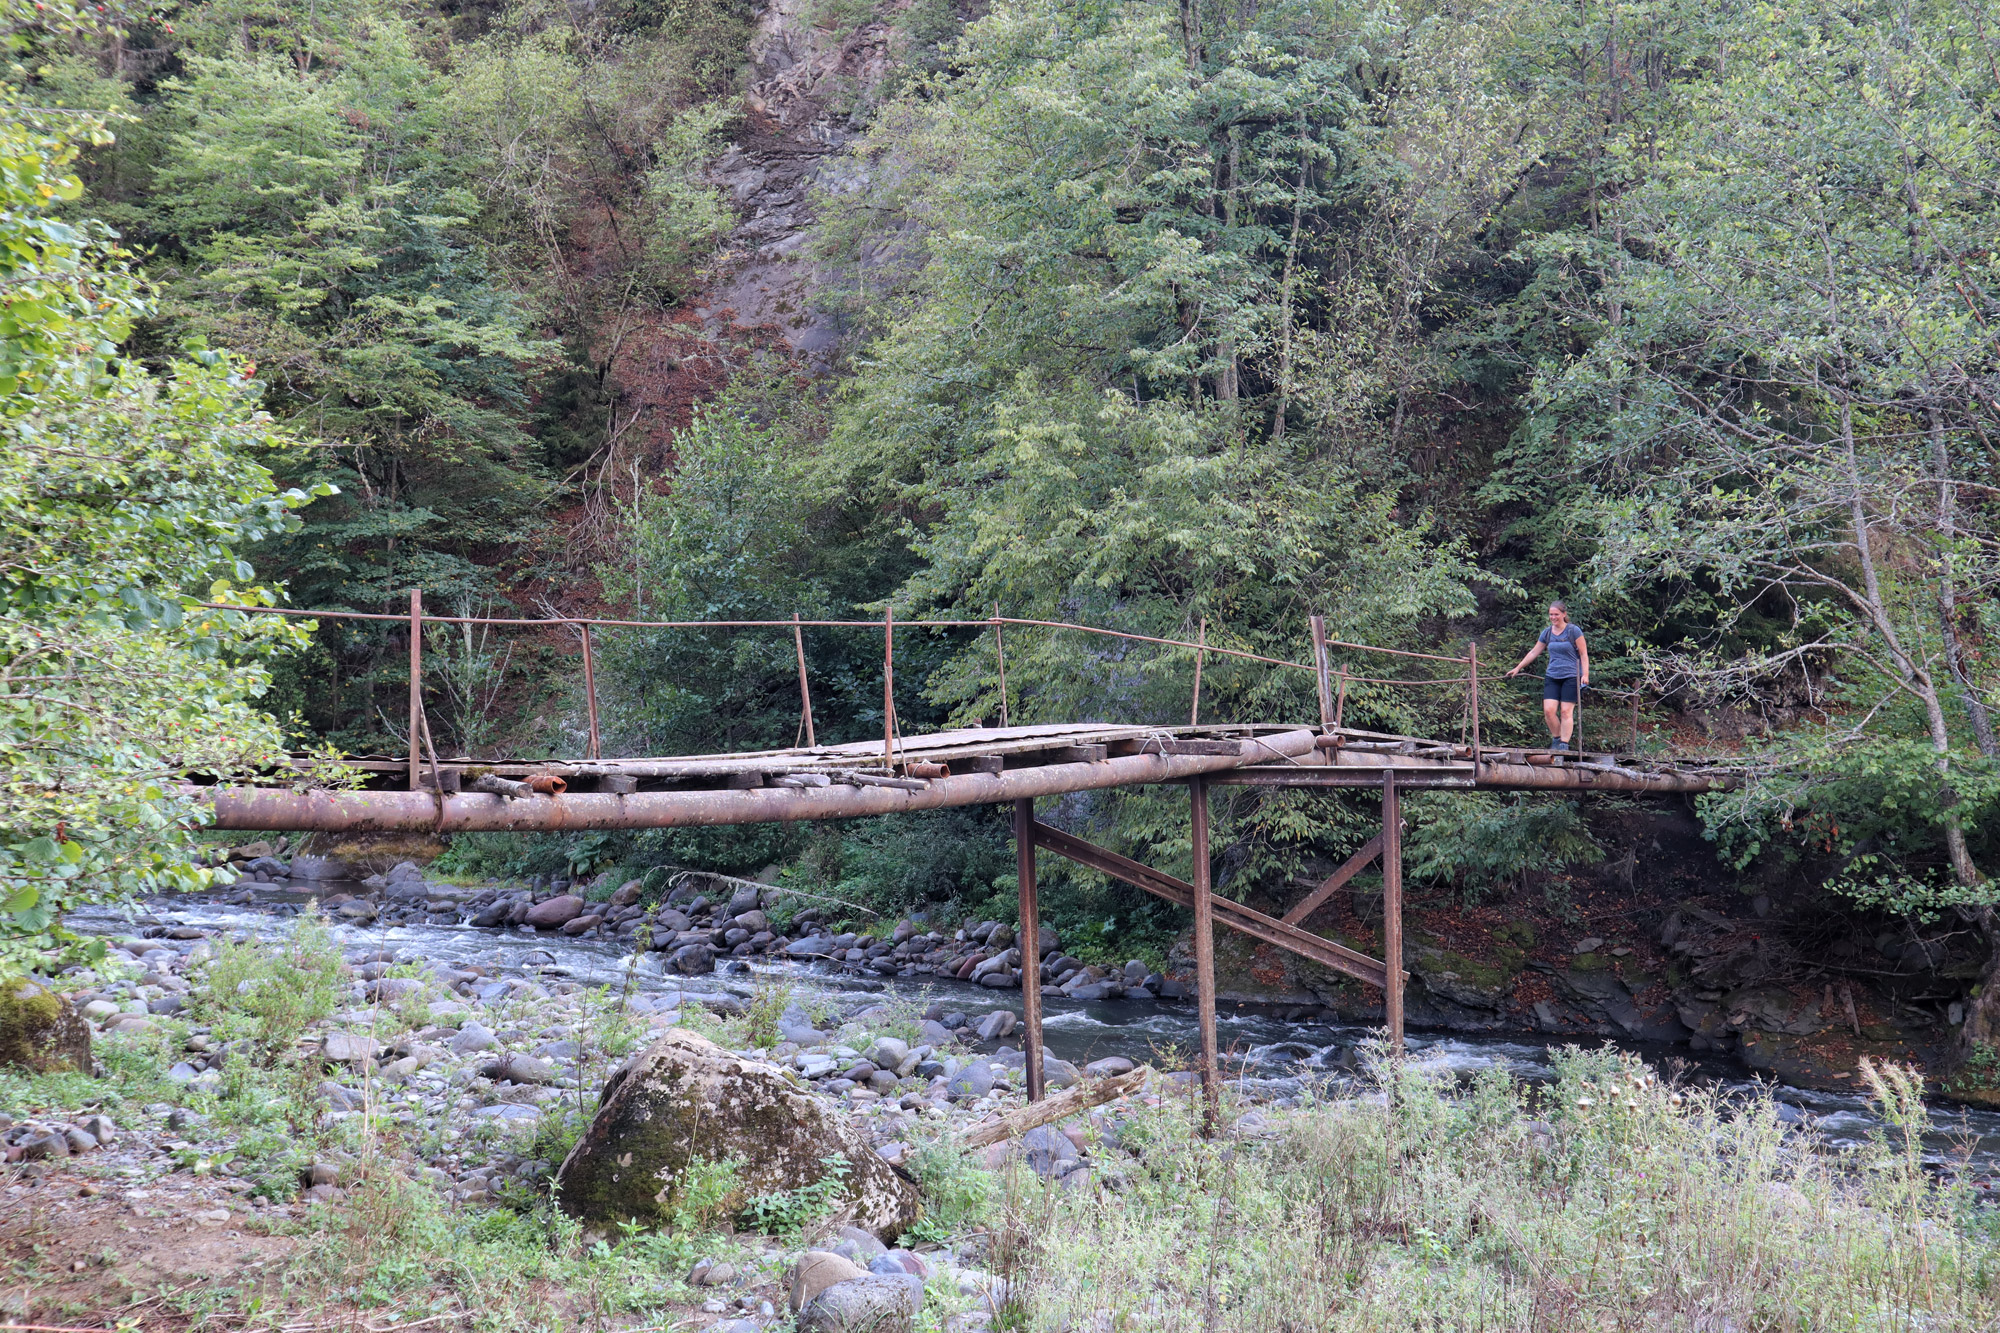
x=1608 y=1201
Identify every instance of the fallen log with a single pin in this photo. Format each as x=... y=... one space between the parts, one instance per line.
x=1059 y=1107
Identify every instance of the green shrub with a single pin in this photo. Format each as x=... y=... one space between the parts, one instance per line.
x=792 y=1211
x=1482 y=843
x=958 y=1193
x=271 y=992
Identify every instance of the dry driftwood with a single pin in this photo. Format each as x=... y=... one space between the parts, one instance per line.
x=1082 y=1097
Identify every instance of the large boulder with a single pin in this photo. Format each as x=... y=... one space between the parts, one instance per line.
x=41 y=1031
x=555 y=912
x=684 y=1100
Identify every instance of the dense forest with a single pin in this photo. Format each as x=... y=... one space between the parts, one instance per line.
x=1172 y=316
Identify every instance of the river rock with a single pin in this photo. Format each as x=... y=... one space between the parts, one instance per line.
x=998 y=1024
x=684 y=1099
x=1045 y=1149
x=474 y=1038
x=818 y=1270
x=45 y=1144
x=556 y=912
x=694 y=960
x=975 y=1080
x=876 y=1303
x=348 y=1048
x=523 y=1069
x=41 y=1031
x=894 y=1262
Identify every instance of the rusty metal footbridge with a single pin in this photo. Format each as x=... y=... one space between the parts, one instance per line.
x=979 y=765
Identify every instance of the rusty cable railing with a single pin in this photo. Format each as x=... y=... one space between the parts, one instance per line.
x=1332 y=703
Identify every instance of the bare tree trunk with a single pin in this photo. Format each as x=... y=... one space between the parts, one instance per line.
x=1191 y=37
x=1954 y=653
x=1225 y=379
x=1915 y=676
x=1285 y=308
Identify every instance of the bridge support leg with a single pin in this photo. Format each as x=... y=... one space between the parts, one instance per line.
x=1204 y=954
x=1030 y=946
x=1392 y=910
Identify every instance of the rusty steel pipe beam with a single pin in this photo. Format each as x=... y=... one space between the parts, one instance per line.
x=1029 y=941
x=273 y=809
x=1392 y=910
x=1355 y=769
x=1204 y=953
x=1568 y=776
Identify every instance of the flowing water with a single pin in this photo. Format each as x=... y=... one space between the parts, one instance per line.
x=1266 y=1054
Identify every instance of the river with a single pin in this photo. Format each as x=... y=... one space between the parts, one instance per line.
x=1268 y=1055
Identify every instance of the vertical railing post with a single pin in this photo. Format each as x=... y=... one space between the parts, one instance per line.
x=1322 y=672
x=1000 y=653
x=416 y=684
x=1472 y=658
x=805 y=690
x=590 y=691
x=889 y=687
x=1201 y=652
x=1204 y=953
x=1030 y=944
x=1635 y=719
x=1340 y=701
x=1392 y=911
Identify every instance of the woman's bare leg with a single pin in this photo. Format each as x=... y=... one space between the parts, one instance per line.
x=1568 y=720
x=1549 y=707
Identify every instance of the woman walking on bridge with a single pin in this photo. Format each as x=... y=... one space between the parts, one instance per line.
x=1568 y=672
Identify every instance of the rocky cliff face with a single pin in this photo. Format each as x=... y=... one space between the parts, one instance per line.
x=810 y=90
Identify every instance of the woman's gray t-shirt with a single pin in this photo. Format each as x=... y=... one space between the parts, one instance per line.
x=1563 y=663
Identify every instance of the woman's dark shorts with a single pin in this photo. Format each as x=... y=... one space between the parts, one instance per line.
x=1561 y=690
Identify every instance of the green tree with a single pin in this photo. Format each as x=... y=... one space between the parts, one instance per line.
x=1790 y=400
x=1120 y=369
x=125 y=498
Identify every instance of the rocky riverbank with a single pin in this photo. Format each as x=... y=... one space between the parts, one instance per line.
x=690 y=931
x=217 y=1122
x=1647 y=949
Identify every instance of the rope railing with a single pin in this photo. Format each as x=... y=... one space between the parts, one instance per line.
x=1332 y=700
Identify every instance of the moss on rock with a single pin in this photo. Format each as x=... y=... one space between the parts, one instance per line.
x=41 y=1031
x=685 y=1101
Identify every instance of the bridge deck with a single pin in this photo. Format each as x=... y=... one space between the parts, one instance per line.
x=970 y=766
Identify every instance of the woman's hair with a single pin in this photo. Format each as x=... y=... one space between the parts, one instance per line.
x=1558 y=606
